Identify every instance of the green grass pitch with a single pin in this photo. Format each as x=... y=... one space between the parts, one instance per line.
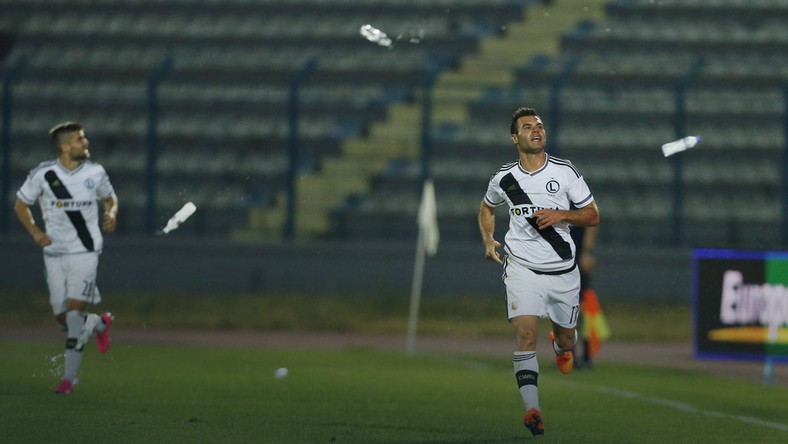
x=165 y=393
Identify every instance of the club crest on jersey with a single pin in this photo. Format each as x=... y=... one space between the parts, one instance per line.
x=552 y=187
x=89 y=183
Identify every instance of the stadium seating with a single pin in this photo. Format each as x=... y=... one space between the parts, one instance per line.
x=615 y=104
x=608 y=89
x=223 y=105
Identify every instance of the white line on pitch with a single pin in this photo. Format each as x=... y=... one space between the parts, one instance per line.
x=677 y=405
x=685 y=407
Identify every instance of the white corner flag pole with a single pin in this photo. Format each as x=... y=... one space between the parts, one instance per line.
x=426 y=244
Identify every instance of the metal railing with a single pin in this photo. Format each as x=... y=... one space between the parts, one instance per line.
x=151 y=175
x=293 y=145
x=682 y=86
x=5 y=174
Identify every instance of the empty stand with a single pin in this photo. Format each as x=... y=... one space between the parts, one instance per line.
x=611 y=98
x=612 y=91
x=223 y=106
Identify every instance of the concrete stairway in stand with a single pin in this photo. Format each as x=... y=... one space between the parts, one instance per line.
x=495 y=63
x=340 y=176
x=399 y=136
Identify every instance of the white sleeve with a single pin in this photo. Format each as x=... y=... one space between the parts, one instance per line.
x=30 y=190
x=579 y=193
x=494 y=195
x=104 y=189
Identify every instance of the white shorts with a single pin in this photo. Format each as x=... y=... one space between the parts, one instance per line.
x=543 y=295
x=71 y=276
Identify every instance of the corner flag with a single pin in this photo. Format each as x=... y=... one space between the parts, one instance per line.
x=426 y=244
x=428 y=218
x=595 y=327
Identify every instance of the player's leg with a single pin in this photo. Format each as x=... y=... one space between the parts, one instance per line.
x=84 y=269
x=564 y=354
x=526 y=371
x=80 y=277
x=75 y=320
x=526 y=366
x=524 y=309
x=102 y=331
x=98 y=324
x=564 y=310
x=56 y=277
x=563 y=338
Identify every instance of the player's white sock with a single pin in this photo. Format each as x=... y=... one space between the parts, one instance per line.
x=526 y=370
x=73 y=357
x=559 y=350
x=100 y=326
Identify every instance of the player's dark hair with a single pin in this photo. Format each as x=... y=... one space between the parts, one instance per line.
x=61 y=129
x=520 y=112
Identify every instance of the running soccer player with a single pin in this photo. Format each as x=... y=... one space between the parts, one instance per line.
x=539 y=267
x=68 y=190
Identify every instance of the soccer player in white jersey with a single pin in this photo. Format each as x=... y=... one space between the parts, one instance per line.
x=68 y=190
x=539 y=267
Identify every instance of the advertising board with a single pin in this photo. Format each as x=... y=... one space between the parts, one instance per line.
x=740 y=304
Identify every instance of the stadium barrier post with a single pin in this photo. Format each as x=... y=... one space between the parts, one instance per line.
x=8 y=81
x=293 y=147
x=784 y=183
x=151 y=175
x=554 y=100
x=680 y=128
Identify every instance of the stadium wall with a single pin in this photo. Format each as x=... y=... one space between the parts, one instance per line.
x=172 y=264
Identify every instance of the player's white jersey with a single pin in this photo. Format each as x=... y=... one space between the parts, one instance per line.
x=69 y=206
x=556 y=185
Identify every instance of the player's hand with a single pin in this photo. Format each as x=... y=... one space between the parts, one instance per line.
x=109 y=223
x=42 y=239
x=491 y=251
x=546 y=218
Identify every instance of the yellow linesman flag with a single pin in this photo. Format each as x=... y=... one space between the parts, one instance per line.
x=595 y=328
x=428 y=218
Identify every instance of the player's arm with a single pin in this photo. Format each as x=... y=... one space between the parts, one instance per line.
x=487 y=228
x=588 y=216
x=110 y=213
x=25 y=216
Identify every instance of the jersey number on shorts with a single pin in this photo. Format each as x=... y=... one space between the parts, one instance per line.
x=575 y=314
x=89 y=289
